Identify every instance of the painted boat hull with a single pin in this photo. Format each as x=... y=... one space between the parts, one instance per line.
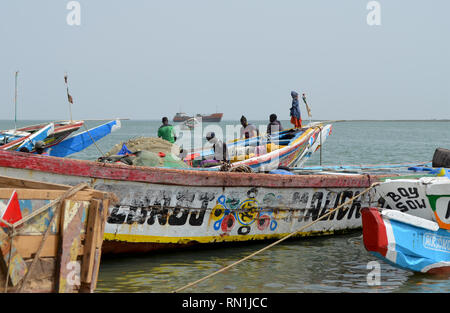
x=162 y=208
x=415 y=245
x=62 y=129
x=426 y=197
x=295 y=154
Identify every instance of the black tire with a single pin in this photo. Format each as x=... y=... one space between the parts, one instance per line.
x=441 y=158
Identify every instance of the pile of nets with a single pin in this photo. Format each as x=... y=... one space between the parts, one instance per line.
x=149 y=151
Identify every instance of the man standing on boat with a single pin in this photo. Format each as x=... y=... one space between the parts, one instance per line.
x=219 y=147
x=296 y=118
x=248 y=130
x=274 y=124
x=166 y=131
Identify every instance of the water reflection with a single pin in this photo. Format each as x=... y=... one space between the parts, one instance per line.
x=327 y=264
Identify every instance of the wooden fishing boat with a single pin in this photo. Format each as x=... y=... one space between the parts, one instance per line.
x=51 y=236
x=288 y=148
x=163 y=208
x=407 y=241
x=427 y=197
x=13 y=139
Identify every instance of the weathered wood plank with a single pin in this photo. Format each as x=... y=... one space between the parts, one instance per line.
x=71 y=225
x=44 y=194
x=92 y=231
x=10 y=182
x=17 y=266
x=27 y=245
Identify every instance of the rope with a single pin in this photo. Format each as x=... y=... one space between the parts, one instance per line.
x=98 y=148
x=280 y=240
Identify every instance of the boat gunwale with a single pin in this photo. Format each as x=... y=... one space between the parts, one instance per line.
x=180 y=177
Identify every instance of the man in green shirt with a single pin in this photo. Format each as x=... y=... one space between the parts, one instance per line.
x=166 y=131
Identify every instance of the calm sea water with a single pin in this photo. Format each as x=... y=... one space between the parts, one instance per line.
x=323 y=264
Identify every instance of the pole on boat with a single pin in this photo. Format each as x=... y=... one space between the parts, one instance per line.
x=320 y=146
x=307 y=108
x=15 y=101
x=69 y=97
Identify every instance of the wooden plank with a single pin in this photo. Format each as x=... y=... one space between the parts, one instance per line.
x=92 y=230
x=104 y=205
x=27 y=245
x=71 y=225
x=11 y=182
x=45 y=194
x=17 y=266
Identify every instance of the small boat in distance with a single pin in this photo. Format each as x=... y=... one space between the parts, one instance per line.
x=182 y=117
x=190 y=123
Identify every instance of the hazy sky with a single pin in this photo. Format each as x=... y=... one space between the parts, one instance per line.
x=144 y=59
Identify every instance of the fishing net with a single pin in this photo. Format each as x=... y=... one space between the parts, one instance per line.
x=151 y=144
x=155 y=152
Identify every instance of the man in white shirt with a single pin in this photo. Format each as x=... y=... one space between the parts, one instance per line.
x=248 y=130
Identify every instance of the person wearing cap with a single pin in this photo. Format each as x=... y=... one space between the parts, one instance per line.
x=248 y=130
x=166 y=131
x=39 y=148
x=219 y=147
x=296 y=118
x=274 y=124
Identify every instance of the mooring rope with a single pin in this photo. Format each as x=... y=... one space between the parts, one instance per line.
x=98 y=148
x=278 y=241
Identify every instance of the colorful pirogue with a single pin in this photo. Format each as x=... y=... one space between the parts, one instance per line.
x=55 y=137
x=162 y=208
x=51 y=133
x=417 y=237
x=287 y=148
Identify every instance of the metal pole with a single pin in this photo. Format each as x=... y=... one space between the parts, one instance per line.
x=15 y=102
x=321 y=146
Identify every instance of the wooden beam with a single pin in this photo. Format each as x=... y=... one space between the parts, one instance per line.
x=92 y=230
x=71 y=226
x=28 y=245
x=46 y=194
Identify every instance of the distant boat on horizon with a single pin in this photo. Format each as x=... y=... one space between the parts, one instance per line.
x=182 y=117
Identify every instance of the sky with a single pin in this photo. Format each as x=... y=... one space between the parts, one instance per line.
x=144 y=59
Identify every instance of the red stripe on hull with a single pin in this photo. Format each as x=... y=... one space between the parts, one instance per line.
x=82 y=168
x=374 y=231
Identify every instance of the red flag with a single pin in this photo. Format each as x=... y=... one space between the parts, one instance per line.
x=12 y=213
x=70 y=98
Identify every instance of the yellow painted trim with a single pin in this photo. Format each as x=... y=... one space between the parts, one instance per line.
x=203 y=239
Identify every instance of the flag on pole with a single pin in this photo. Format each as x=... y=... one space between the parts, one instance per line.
x=69 y=97
x=307 y=107
x=12 y=213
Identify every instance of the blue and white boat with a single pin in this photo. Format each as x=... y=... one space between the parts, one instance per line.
x=406 y=241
